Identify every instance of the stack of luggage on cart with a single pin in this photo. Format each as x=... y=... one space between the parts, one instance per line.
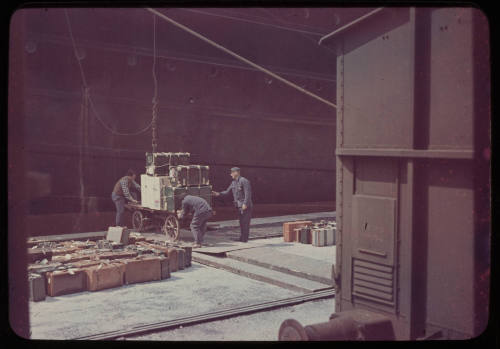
x=170 y=174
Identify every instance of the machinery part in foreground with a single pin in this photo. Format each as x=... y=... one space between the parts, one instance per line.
x=138 y=221
x=346 y=325
x=171 y=228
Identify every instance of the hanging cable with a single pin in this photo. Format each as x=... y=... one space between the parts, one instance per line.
x=84 y=82
x=243 y=59
x=154 y=142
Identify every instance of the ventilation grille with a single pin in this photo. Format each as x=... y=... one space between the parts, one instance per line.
x=373 y=282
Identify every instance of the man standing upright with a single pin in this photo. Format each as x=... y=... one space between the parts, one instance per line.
x=121 y=192
x=242 y=196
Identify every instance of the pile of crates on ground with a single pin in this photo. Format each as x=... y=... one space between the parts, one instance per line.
x=321 y=233
x=170 y=174
x=123 y=258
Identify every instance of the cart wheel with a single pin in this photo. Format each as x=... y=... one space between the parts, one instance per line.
x=138 y=220
x=171 y=228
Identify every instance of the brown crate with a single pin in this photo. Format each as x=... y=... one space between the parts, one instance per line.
x=172 y=255
x=103 y=276
x=142 y=270
x=63 y=282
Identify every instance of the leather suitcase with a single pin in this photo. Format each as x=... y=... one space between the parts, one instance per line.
x=319 y=237
x=181 y=258
x=172 y=197
x=117 y=255
x=165 y=267
x=204 y=174
x=304 y=234
x=38 y=254
x=37 y=287
x=142 y=270
x=290 y=235
x=62 y=282
x=288 y=230
x=172 y=256
x=104 y=276
x=188 y=255
x=70 y=258
x=159 y=163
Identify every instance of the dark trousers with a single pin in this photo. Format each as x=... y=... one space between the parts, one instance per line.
x=199 y=225
x=120 y=208
x=245 y=216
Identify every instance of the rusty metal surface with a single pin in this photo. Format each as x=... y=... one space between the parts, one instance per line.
x=412 y=170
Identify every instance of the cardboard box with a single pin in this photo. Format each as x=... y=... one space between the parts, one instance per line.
x=104 y=276
x=62 y=282
x=142 y=270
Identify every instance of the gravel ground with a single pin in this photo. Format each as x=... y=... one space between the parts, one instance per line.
x=263 y=326
x=196 y=290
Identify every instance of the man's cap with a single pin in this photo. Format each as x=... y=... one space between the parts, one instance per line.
x=234 y=169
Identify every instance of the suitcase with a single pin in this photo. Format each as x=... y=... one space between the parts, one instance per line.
x=192 y=175
x=319 y=237
x=104 y=276
x=304 y=233
x=172 y=256
x=289 y=234
x=118 y=234
x=117 y=255
x=181 y=258
x=142 y=270
x=159 y=163
x=172 y=198
x=188 y=255
x=165 y=267
x=206 y=194
x=38 y=254
x=62 y=282
x=331 y=232
x=37 y=287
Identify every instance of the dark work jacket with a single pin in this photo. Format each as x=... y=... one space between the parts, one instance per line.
x=195 y=204
x=242 y=192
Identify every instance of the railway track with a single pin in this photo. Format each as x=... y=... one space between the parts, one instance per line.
x=208 y=317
